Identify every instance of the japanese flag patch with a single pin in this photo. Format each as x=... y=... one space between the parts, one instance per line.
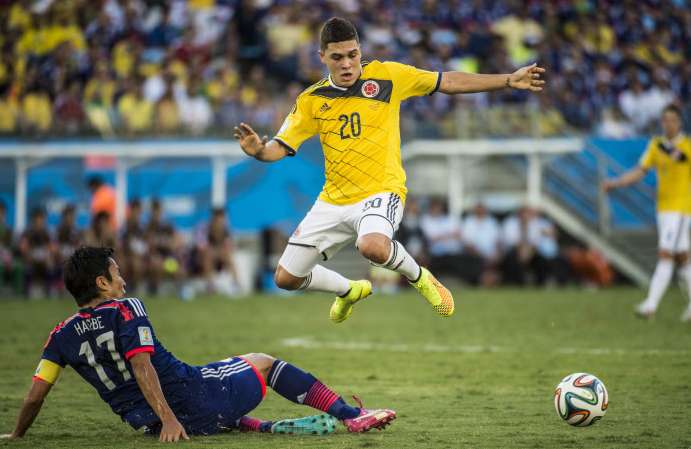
x=145 y=336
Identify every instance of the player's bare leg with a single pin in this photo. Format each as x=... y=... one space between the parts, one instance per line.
x=303 y=388
x=387 y=253
x=658 y=285
x=303 y=259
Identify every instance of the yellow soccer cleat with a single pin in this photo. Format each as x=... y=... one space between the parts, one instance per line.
x=435 y=293
x=343 y=306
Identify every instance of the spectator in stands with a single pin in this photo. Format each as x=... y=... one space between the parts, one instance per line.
x=37 y=251
x=164 y=249
x=547 y=246
x=589 y=266
x=136 y=112
x=215 y=254
x=10 y=266
x=36 y=112
x=167 y=116
x=634 y=104
x=9 y=112
x=481 y=237
x=614 y=125
x=68 y=235
x=195 y=109
x=521 y=235
x=101 y=232
x=444 y=234
x=592 y=52
x=135 y=248
x=69 y=114
x=411 y=234
x=103 y=199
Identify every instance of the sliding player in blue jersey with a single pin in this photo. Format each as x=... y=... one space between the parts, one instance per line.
x=112 y=345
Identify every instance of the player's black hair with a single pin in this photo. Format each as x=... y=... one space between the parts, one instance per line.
x=673 y=108
x=337 y=29
x=81 y=270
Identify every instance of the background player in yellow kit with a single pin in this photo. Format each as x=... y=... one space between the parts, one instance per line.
x=670 y=156
x=355 y=111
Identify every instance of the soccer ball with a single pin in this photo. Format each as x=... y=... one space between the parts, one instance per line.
x=581 y=399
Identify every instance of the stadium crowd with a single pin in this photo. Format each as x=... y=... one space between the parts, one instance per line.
x=479 y=249
x=523 y=247
x=150 y=252
x=154 y=67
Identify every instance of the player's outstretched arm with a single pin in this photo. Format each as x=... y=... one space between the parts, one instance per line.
x=147 y=379
x=630 y=177
x=527 y=78
x=32 y=405
x=261 y=149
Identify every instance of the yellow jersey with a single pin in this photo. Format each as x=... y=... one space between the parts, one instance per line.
x=673 y=173
x=358 y=129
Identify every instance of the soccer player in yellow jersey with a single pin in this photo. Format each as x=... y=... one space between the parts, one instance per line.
x=670 y=156
x=355 y=112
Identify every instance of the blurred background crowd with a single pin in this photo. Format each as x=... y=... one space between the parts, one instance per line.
x=170 y=67
x=481 y=248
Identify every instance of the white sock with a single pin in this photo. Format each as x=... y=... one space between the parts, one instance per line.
x=324 y=280
x=402 y=262
x=659 y=282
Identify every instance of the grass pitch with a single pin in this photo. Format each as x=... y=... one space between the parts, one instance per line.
x=481 y=379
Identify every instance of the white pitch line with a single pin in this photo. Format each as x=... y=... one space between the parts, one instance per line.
x=311 y=343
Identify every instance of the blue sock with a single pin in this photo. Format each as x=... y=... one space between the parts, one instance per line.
x=303 y=388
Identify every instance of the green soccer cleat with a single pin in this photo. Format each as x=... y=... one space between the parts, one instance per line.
x=343 y=306
x=435 y=293
x=310 y=425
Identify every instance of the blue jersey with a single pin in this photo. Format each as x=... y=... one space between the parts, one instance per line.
x=98 y=342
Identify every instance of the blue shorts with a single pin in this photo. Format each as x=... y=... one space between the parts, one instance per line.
x=219 y=396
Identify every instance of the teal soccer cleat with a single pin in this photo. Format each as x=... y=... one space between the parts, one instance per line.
x=309 y=425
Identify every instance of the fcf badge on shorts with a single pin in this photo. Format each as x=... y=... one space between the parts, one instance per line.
x=370 y=89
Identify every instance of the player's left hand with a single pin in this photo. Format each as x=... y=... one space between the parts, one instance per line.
x=527 y=77
x=172 y=431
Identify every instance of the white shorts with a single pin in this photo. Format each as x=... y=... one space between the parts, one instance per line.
x=673 y=231
x=327 y=228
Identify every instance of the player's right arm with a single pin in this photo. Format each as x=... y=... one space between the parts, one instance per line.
x=147 y=379
x=47 y=373
x=297 y=127
x=635 y=174
x=630 y=177
x=262 y=149
x=30 y=408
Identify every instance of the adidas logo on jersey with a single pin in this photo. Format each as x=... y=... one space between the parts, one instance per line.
x=325 y=107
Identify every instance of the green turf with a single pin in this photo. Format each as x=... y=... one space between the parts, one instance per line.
x=483 y=378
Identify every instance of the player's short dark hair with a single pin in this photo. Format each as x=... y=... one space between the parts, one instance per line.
x=673 y=108
x=81 y=270
x=337 y=29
